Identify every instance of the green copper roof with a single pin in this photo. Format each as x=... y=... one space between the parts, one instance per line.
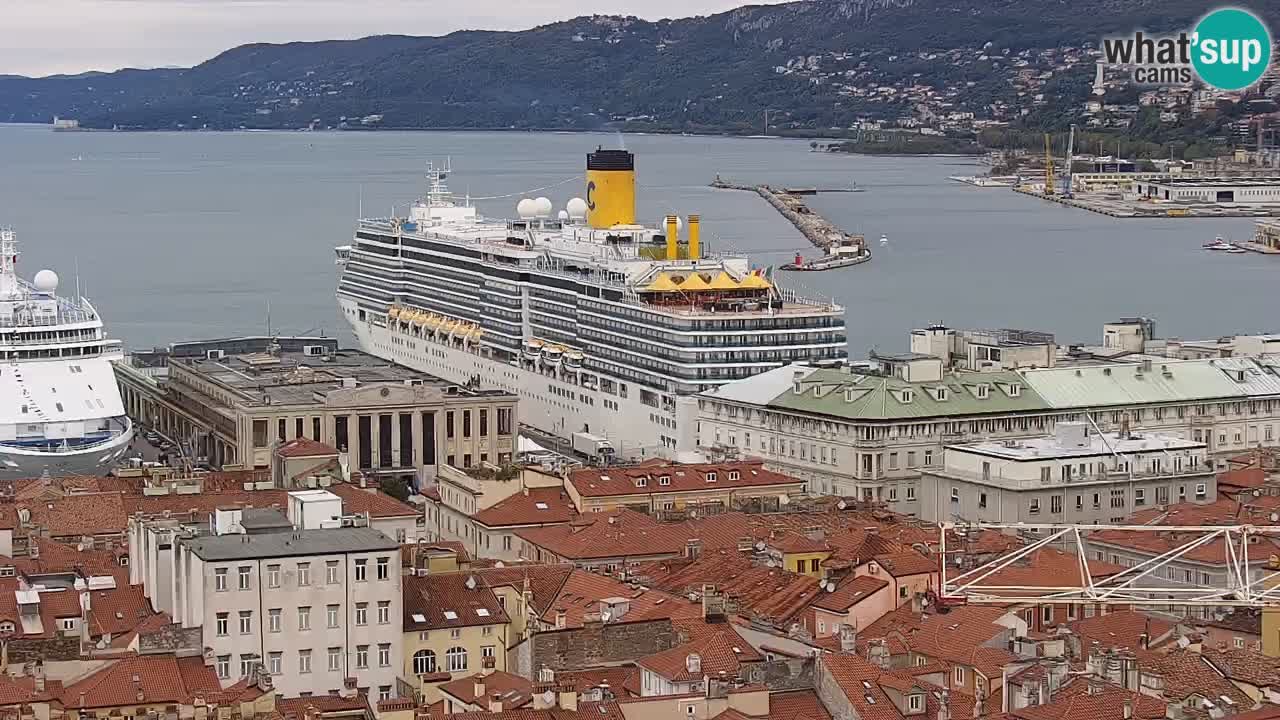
x=868 y=397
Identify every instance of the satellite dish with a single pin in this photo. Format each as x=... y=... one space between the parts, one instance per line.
x=527 y=209
x=760 y=545
x=831 y=587
x=1275 y=517
x=548 y=697
x=471 y=582
x=784 y=500
x=577 y=208
x=604 y=616
x=842 y=505
x=46 y=281
x=543 y=207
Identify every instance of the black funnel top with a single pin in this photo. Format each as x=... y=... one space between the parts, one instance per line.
x=603 y=159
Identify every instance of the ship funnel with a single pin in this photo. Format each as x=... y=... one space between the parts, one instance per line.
x=673 y=238
x=695 y=237
x=611 y=188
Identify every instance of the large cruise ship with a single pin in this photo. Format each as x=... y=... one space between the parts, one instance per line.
x=60 y=407
x=600 y=325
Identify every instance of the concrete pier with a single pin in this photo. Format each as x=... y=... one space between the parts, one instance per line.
x=819 y=231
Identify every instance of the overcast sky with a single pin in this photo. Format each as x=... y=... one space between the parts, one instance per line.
x=43 y=37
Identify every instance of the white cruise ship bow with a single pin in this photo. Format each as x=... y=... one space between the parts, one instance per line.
x=60 y=406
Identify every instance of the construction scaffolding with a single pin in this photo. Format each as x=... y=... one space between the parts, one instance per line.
x=1252 y=576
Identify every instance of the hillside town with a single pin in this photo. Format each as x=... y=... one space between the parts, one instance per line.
x=991 y=525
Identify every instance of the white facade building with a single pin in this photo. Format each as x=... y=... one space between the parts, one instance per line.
x=1073 y=476
x=312 y=606
x=856 y=434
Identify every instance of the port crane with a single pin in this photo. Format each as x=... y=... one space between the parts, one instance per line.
x=1048 y=165
x=1244 y=551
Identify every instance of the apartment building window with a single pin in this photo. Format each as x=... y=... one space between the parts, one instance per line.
x=335 y=659
x=304 y=618
x=928 y=457
x=982 y=499
x=224 y=666
x=243 y=574
x=1035 y=506
x=362 y=613
x=246 y=664
x=259 y=433
x=384 y=612
x=456 y=659
x=273 y=620
x=304 y=661
x=331 y=572
x=959 y=676
x=893 y=494
x=1046 y=614
x=281 y=429
x=220 y=580
x=1201 y=491
x=1055 y=504
x=1097 y=500
x=362 y=570
x=273 y=576
x=384 y=692
x=504 y=419
x=448 y=425
x=1073 y=612
x=955 y=495
x=384 y=655
x=362 y=657
x=246 y=622
x=911 y=492
x=331 y=616
x=222 y=624
x=484 y=423
x=304 y=574
x=893 y=461
x=915 y=702
x=1139 y=496
x=273 y=662
x=1162 y=495
x=487 y=630
x=424 y=662
x=1117 y=497
x=384 y=568
x=1079 y=502
x=486 y=651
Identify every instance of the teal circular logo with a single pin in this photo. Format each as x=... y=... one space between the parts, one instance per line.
x=1231 y=49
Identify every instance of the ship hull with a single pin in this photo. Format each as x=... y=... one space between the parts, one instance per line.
x=97 y=459
x=547 y=403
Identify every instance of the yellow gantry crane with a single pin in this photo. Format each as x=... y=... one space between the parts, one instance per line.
x=1048 y=165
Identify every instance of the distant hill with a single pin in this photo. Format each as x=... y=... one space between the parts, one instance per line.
x=715 y=72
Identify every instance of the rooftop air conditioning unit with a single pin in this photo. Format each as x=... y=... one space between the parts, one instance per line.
x=313 y=350
x=215 y=354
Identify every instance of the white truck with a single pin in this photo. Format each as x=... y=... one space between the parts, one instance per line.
x=593 y=446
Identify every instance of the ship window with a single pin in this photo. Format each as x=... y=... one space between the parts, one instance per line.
x=59 y=406
x=24 y=409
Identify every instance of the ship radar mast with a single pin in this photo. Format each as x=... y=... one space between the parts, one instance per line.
x=8 y=262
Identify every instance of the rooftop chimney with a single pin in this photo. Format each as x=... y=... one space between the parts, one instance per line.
x=495 y=703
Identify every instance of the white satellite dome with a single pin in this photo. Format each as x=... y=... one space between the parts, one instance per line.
x=527 y=208
x=662 y=223
x=577 y=208
x=46 y=281
x=563 y=215
x=543 y=206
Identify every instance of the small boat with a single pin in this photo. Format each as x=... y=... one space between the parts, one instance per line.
x=1236 y=250
x=1218 y=244
x=884 y=239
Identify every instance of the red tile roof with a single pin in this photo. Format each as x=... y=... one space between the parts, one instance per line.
x=515 y=691
x=1249 y=666
x=964 y=636
x=1122 y=629
x=1187 y=673
x=907 y=562
x=771 y=594
x=77 y=515
x=596 y=482
x=21 y=690
x=849 y=593
x=582 y=593
x=428 y=599
x=119 y=610
x=357 y=500
x=797 y=705
x=543 y=581
x=304 y=447
x=149 y=679
x=1049 y=567
x=1242 y=479
x=1075 y=701
x=53 y=557
x=540 y=506
x=620 y=681
x=297 y=706
x=718 y=649
x=1223 y=511
x=863 y=684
